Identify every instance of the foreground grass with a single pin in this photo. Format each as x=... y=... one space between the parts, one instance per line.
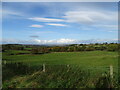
x=54 y=76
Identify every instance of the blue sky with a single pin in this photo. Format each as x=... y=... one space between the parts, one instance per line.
x=51 y=23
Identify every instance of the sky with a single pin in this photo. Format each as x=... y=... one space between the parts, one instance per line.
x=60 y=0
x=59 y=23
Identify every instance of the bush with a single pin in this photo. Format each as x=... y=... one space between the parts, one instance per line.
x=112 y=47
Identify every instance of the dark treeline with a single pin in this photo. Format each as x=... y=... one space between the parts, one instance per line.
x=38 y=49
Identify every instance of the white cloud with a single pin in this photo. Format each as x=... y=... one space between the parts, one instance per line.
x=57 y=41
x=46 y=19
x=38 y=41
x=90 y=17
x=54 y=24
x=83 y=17
x=77 y=17
x=66 y=41
x=99 y=41
x=36 y=26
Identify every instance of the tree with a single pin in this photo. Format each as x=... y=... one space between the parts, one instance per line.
x=112 y=47
x=89 y=48
x=40 y=50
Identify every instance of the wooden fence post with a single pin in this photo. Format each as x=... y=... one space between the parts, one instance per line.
x=4 y=61
x=68 y=67
x=43 y=67
x=111 y=71
x=111 y=76
x=0 y=62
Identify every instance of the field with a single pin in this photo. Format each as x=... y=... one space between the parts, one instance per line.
x=92 y=58
x=82 y=65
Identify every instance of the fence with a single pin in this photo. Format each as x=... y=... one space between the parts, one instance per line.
x=69 y=73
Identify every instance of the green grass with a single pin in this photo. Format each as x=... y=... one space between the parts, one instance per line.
x=15 y=52
x=51 y=79
x=55 y=76
x=89 y=59
x=28 y=48
x=85 y=69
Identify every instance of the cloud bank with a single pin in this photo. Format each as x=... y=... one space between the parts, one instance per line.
x=57 y=41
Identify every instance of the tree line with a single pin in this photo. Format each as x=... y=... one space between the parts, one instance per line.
x=37 y=49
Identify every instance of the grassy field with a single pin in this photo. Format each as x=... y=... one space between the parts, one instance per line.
x=92 y=58
x=85 y=70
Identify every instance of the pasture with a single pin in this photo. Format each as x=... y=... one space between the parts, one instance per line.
x=88 y=58
x=86 y=67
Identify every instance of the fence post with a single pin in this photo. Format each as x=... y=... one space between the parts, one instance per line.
x=111 y=76
x=43 y=67
x=68 y=67
x=111 y=71
x=5 y=62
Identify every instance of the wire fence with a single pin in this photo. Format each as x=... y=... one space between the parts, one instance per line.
x=68 y=73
